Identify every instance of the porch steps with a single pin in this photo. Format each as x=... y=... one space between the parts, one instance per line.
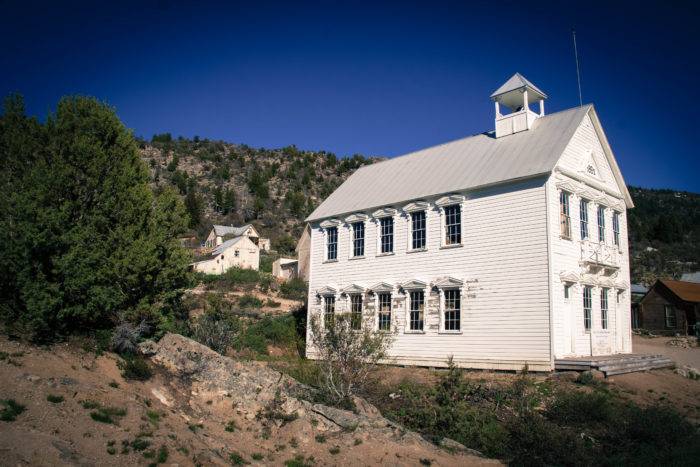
x=614 y=364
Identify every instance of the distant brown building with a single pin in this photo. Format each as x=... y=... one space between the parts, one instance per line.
x=670 y=307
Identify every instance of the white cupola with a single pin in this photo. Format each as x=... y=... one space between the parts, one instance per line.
x=517 y=94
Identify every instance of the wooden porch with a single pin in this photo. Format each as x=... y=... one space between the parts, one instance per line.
x=614 y=364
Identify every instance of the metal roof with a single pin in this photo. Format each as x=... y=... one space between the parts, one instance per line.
x=686 y=291
x=517 y=81
x=468 y=163
x=639 y=289
x=226 y=245
x=221 y=230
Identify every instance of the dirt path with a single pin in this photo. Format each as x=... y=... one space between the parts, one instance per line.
x=657 y=345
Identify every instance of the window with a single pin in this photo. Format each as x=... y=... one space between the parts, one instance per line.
x=567 y=289
x=604 y=308
x=236 y=253
x=328 y=310
x=452 y=307
x=384 y=311
x=416 y=303
x=358 y=239
x=616 y=228
x=453 y=225
x=332 y=243
x=564 y=215
x=583 y=208
x=669 y=316
x=386 y=238
x=356 y=311
x=418 y=230
x=601 y=224
x=587 y=305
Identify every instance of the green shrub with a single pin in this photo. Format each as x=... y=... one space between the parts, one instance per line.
x=135 y=367
x=140 y=444
x=107 y=414
x=294 y=289
x=576 y=407
x=10 y=410
x=54 y=399
x=162 y=456
x=216 y=329
x=257 y=456
x=299 y=461
x=266 y=263
x=249 y=301
x=237 y=459
x=272 y=303
x=270 y=330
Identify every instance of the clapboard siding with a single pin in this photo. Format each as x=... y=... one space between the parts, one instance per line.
x=505 y=304
x=567 y=315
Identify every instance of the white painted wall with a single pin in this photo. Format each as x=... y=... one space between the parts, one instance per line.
x=503 y=259
x=248 y=258
x=570 y=337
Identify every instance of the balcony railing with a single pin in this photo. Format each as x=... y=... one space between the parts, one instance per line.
x=600 y=254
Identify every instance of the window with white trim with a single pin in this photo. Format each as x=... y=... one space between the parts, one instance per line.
x=358 y=239
x=601 y=224
x=564 y=215
x=616 y=228
x=356 y=311
x=416 y=307
x=583 y=215
x=587 y=306
x=452 y=310
x=386 y=234
x=604 y=308
x=418 y=230
x=669 y=316
x=332 y=243
x=384 y=312
x=567 y=290
x=453 y=224
x=328 y=310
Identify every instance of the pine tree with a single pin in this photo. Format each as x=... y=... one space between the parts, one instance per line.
x=84 y=241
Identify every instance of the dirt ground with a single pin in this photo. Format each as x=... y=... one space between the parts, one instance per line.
x=164 y=413
x=658 y=345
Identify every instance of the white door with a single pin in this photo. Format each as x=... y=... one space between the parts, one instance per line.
x=568 y=324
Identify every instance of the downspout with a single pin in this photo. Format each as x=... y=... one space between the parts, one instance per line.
x=550 y=286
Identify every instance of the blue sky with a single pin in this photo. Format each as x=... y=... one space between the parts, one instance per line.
x=372 y=78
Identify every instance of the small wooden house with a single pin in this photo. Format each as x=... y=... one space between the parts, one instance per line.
x=670 y=307
x=240 y=252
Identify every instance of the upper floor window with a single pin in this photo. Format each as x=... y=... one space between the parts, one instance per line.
x=604 y=308
x=384 y=311
x=416 y=304
x=583 y=209
x=356 y=311
x=453 y=225
x=669 y=316
x=564 y=215
x=358 y=239
x=332 y=243
x=386 y=234
x=452 y=310
x=418 y=230
x=601 y=224
x=587 y=306
x=328 y=310
x=616 y=228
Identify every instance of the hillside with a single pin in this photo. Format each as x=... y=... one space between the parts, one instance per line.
x=276 y=188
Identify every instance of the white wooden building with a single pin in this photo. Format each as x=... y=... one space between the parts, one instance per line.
x=220 y=233
x=504 y=249
x=240 y=252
